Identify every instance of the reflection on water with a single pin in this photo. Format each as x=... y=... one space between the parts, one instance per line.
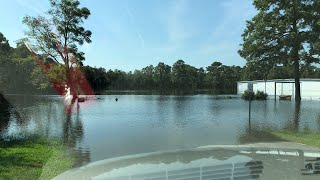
x=215 y=163
x=4 y=113
x=45 y=117
x=73 y=137
x=147 y=123
x=296 y=117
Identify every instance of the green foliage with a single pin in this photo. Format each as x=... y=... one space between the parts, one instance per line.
x=57 y=38
x=256 y=70
x=18 y=69
x=162 y=75
x=5 y=52
x=39 y=79
x=260 y=95
x=57 y=73
x=222 y=78
x=98 y=78
x=59 y=35
x=279 y=33
x=247 y=95
x=181 y=76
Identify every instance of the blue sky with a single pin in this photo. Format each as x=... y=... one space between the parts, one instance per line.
x=131 y=34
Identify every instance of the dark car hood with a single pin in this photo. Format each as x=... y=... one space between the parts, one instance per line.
x=212 y=162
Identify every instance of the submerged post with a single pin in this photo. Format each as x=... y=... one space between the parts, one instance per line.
x=275 y=91
x=250 y=91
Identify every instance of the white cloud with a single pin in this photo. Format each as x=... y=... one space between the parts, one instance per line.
x=134 y=24
x=174 y=22
x=176 y=30
x=32 y=5
x=225 y=38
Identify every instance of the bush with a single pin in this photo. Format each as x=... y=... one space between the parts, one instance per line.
x=247 y=94
x=260 y=95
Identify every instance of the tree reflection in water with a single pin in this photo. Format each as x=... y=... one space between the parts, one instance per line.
x=296 y=116
x=73 y=136
x=46 y=117
x=7 y=111
x=4 y=113
x=254 y=133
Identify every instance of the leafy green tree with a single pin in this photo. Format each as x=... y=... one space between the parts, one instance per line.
x=5 y=53
x=162 y=75
x=179 y=75
x=97 y=78
x=16 y=69
x=279 y=33
x=120 y=80
x=214 y=76
x=309 y=71
x=280 y=72
x=184 y=76
x=58 y=35
x=201 y=75
x=192 y=77
x=232 y=74
x=222 y=78
x=138 y=80
x=148 y=74
x=256 y=70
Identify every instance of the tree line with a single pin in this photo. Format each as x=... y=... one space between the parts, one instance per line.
x=281 y=41
x=20 y=73
x=217 y=77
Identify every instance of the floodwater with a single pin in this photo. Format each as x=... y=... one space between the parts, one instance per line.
x=105 y=128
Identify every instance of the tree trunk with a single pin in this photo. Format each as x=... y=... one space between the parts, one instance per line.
x=295 y=56
x=297 y=79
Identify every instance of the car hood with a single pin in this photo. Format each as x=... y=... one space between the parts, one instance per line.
x=256 y=161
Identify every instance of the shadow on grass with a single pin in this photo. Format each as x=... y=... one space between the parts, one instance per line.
x=259 y=136
x=26 y=158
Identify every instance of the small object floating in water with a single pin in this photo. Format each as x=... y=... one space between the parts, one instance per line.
x=116 y=99
x=285 y=97
x=81 y=98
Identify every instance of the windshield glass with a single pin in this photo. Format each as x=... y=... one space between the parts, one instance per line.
x=159 y=89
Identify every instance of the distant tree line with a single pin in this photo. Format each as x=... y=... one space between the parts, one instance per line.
x=217 y=78
x=20 y=74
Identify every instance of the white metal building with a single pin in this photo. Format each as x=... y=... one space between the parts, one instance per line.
x=310 y=88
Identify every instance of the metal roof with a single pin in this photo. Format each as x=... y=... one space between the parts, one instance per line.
x=281 y=80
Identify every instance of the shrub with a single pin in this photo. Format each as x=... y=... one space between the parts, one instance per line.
x=261 y=95
x=247 y=94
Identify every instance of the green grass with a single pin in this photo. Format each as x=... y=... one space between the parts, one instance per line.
x=32 y=159
x=308 y=138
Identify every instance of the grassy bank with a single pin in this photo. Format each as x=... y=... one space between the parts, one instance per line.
x=32 y=159
x=308 y=138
